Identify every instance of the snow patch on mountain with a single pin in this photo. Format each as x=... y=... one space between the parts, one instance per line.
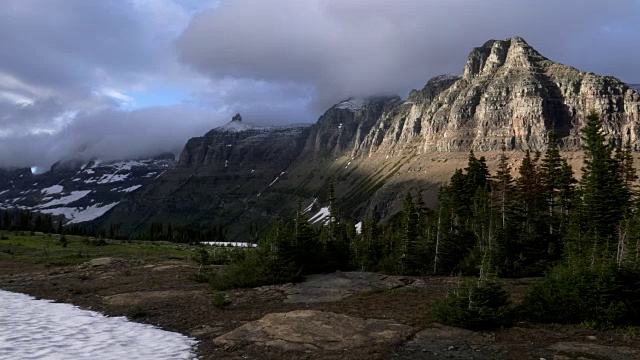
x=55 y=189
x=351 y=104
x=82 y=214
x=320 y=216
x=132 y=188
x=74 y=196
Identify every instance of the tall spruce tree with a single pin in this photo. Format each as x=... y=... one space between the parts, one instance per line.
x=604 y=197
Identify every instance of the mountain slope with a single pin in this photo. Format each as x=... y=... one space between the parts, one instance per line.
x=377 y=149
x=79 y=192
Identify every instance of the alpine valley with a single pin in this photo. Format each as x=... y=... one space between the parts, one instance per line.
x=245 y=177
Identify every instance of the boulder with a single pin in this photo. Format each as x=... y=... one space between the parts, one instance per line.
x=313 y=330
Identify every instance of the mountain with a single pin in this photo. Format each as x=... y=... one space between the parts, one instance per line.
x=508 y=94
x=78 y=191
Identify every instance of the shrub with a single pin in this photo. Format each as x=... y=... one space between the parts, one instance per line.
x=603 y=296
x=255 y=268
x=220 y=301
x=476 y=305
x=137 y=312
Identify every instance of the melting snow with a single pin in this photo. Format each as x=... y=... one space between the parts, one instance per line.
x=277 y=178
x=42 y=329
x=112 y=178
x=308 y=208
x=320 y=216
x=78 y=215
x=55 y=189
x=5 y=191
x=130 y=189
x=359 y=228
x=74 y=196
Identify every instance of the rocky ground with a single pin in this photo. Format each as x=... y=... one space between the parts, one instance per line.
x=334 y=316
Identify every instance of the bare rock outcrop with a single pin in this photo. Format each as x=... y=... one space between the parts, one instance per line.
x=508 y=94
x=315 y=330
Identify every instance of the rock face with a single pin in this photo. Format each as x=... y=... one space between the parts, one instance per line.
x=311 y=330
x=508 y=94
x=378 y=149
x=218 y=180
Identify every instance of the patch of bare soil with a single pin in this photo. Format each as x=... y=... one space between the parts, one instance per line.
x=166 y=294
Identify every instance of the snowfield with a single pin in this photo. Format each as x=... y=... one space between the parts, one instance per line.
x=78 y=215
x=41 y=329
x=74 y=196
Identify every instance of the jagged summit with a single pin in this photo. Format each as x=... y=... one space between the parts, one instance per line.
x=513 y=53
x=236 y=118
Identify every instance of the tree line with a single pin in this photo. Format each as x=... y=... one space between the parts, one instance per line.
x=584 y=235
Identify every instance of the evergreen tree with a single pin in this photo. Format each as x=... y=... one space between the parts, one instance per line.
x=604 y=197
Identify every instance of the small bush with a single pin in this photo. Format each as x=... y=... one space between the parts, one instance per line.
x=137 y=313
x=255 y=268
x=94 y=242
x=602 y=297
x=477 y=305
x=63 y=241
x=220 y=301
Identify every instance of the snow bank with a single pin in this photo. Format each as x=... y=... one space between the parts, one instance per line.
x=41 y=329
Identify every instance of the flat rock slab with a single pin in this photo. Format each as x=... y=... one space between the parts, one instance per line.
x=312 y=330
x=139 y=297
x=577 y=350
x=339 y=285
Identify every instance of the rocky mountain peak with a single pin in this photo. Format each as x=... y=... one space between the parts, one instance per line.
x=512 y=53
x=236 y=118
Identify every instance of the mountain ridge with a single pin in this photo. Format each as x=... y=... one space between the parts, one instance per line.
x=507 y=95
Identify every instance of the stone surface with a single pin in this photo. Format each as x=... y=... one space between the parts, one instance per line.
x=339 y=285
x=100 y=261
x=577 y=350
x=140 y=297
x=311 y=330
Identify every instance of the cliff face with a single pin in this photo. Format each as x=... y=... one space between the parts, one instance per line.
x=377 y=149
x=217 y=181
x=508 y=94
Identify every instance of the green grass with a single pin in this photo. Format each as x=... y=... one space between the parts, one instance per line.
x=46 y=249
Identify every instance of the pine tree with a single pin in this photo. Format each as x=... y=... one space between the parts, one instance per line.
x=605 y=198
x=503 y=186
x=409 y=234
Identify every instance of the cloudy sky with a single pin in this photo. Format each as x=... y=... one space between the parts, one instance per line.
x=132 y=78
